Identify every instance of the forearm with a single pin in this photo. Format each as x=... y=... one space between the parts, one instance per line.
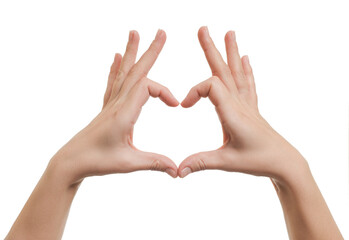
x=305 y=210
x=45 y=213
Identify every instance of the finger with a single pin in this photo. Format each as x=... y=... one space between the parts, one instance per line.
x=143 y=66
x=128 y=61
x=146 y=88
x=155 y=162
x=140 y=94
x=214 y=58
x=250 y=80
x=248 y=72
x=157 y=90
x=234 y=61
x=112 y=75
x=199 y=162
x=212 y=88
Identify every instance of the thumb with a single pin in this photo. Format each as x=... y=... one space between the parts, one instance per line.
x=200 y=161
x=156 y=162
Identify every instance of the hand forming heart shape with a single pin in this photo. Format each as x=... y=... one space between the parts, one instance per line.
x=106 y=145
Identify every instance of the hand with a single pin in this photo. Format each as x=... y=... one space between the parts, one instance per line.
x=106 y=146
x=250 y=145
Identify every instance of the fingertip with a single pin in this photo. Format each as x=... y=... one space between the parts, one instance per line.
x=191 y=99
x=164 y=34
x=116 y=63
x=160 y=35
x=226 y=37
x=245 y=59
x=117 y=57
x=186 y=104
x=169 y=99
x=184 y=168
x=203 y=31
x=183 y=104
x=232 y=35
x=185 y=172
x=174 y=102
x=133 y=35
x=171 y=172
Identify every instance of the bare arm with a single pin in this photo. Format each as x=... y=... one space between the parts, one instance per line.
x=305 y=210
x=252 y=146
x=105 y=146
x=46 y=211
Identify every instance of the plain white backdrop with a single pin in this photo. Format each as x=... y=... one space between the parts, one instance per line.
x=54 y=62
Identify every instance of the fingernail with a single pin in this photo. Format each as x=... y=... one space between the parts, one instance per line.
x=233 y=36
x=185 y=172
x=206 y=29
x=171 y=172
x=158 y=34
x=247 y=59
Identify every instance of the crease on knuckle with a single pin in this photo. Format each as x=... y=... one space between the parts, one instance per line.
x=154 y=50
x=155 y=165
x=201 y=164
x=240 y=75
x=121 y=74
x=133 y=71
x=138 y=71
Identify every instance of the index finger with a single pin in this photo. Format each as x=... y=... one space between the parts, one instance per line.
x=218 y=67
x=144 y=64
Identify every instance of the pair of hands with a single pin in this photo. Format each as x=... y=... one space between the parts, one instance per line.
x=250 y=145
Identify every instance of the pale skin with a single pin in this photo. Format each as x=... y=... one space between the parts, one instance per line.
x=250 y=145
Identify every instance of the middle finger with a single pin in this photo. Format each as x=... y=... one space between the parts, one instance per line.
x=214 y=58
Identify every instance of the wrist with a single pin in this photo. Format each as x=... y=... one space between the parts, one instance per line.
x=295 y=176
x=62 y=173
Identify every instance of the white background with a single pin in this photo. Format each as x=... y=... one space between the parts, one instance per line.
x=54 y=62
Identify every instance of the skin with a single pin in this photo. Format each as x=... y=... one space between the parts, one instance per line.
x=103 y=147
x=250 y=145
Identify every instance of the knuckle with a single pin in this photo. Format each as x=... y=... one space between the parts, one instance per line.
x=121 y=74
x=155 y=165
x=227 y=71
x=215 y=81
x=164 y=89
x=249 y=70
x=200 y=163
x=133 y=71
x=239 y=74
x=138 y=71
x=143 y=82
x=154 y=50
